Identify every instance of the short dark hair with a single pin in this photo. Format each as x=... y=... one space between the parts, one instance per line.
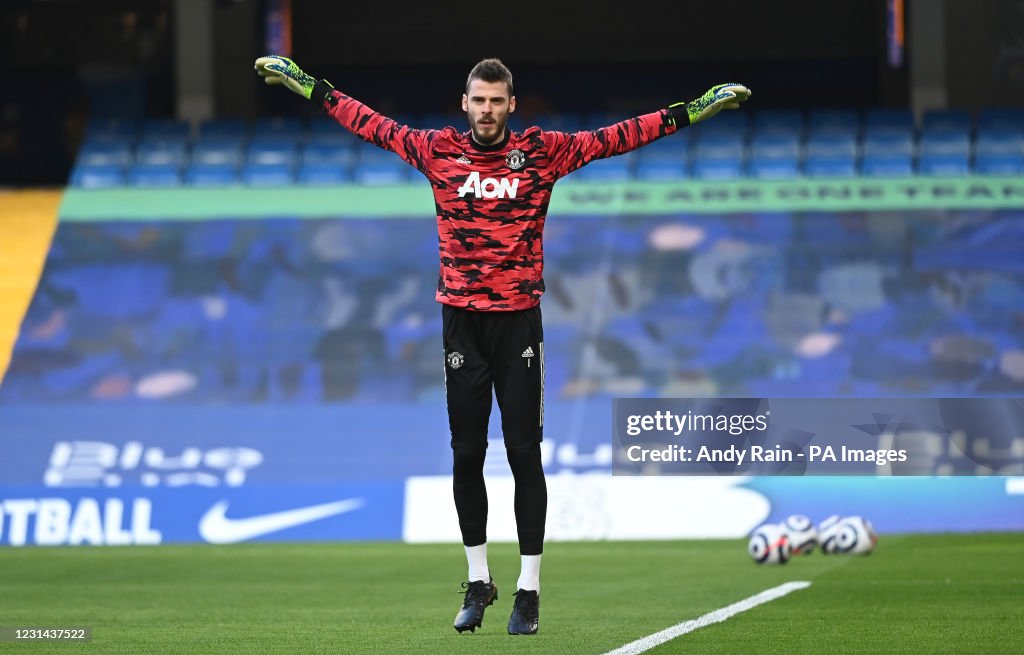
x=491 y=70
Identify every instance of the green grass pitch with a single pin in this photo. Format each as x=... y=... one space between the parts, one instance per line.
x=915 y=594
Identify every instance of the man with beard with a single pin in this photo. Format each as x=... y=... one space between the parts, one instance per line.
x=491 y=188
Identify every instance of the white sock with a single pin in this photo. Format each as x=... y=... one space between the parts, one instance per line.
x=477 y=558
x=529 y=575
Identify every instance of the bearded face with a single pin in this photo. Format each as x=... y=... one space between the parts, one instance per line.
x=487 y=106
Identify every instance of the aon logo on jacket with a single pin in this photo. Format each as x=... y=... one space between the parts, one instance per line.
x=488 y=187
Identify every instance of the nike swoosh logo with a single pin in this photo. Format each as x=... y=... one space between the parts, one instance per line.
x=216 y=528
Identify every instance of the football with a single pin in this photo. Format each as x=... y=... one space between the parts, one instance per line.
x=851 y=535
x=769 y=545
x=856 y=536
x=827 y=530
x=801 y=534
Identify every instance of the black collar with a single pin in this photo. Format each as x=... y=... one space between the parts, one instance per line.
x=494 y=146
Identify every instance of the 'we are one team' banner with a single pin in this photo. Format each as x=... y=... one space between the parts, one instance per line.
x=570 y=197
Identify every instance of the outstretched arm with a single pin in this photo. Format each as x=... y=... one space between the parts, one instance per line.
x=369 y=125
x=572 y=151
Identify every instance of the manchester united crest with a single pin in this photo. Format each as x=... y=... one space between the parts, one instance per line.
x=455 y=359
x=515 y=159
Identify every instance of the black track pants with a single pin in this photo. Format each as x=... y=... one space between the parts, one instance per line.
x=503 y=353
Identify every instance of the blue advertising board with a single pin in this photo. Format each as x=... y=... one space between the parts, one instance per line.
x=92 y=475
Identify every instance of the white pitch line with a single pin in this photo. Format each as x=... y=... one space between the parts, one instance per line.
x=647 y=643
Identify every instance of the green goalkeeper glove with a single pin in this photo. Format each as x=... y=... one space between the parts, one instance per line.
x=275 y=69
x=718 y=97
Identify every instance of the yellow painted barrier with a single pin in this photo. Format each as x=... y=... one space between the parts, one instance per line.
x=27 y=222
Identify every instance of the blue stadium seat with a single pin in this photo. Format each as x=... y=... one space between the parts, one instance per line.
x=119 y=288
x=671 y=147
x=121 y=130
x=773 y=168
x=717 y=169
x=1008 y=118
x=159 y=152
x=775 y=145
x=155 y=175
x=943 y=120
x=889 y=120
x=282 y=153
x=224 y=128
x=290 y=129
x=334 y=154
x=945 y=141
x=885 y=142
x=267 y=174
x=661 y=170
x=159 y=129
x=726 y=122
x=613 y=169
x=98 y=177
x=785 y=121
x=105 y=153
x=225 y=152
x=209 y=240
x=823 y=121
x=324 y=129
x=892 y=165
x=391 y=171
x=211 y=175
x=85 y=371
x=831 y=144
x=830 y=166
x=999 y=164
x=944 y=164
x=717 y=145
x=367 y=153
x=999 y=141
x=323 y=174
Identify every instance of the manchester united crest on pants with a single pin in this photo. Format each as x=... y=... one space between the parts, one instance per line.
x=455 y=359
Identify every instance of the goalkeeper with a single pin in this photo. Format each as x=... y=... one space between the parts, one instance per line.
x=491 y=188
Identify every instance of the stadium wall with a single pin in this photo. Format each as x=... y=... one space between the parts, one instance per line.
x=106 y=442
